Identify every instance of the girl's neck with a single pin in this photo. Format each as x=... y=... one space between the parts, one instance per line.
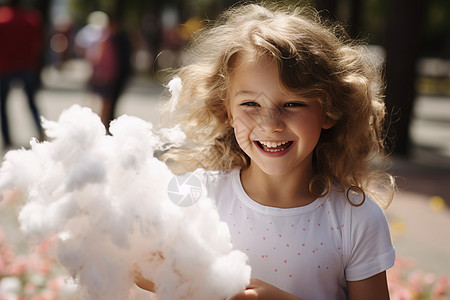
x=285 y=191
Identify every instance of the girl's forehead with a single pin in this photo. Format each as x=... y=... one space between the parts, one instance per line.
x=261 y=73
x=254 y=69
x=249 y=58
x=252 y=66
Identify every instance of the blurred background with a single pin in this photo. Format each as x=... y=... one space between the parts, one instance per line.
x=114 y=56
x=412 y=37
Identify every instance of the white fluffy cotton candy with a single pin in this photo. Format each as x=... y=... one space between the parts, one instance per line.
x=175 y=85
x=106 y=198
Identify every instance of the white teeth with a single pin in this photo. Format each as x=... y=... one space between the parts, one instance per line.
x=273 y=144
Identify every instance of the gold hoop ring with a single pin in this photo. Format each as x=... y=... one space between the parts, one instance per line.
x=361 y=192
x=324 y=180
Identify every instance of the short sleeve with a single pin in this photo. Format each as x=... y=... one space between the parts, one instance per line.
x=368 y=245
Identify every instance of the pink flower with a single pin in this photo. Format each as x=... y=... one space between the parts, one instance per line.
x=39 y=264
x=45 y=247
x=30 y=288
x=403 y=293
x=441 y=288
x=415 y=282
x=405 y=283
x=40 y=297
x=18 y=266
x=56 y=284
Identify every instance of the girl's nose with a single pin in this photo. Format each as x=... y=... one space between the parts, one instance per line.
x=271 y=120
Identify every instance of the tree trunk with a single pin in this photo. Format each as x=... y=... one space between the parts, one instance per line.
x=355 y=18
x=403 y=39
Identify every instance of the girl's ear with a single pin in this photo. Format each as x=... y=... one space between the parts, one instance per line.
x=328 y=123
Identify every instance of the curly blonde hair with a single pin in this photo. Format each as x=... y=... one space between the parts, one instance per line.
x=315 y=59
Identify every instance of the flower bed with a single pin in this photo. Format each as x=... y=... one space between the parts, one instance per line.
x=33 y=274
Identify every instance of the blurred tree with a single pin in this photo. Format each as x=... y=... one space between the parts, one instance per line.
x=436 y=37
x=347 y=13
x=403 y=41
x=328 y=8
x=373 y=20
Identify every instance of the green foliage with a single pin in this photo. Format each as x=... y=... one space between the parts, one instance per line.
x=436 y=34
x=374 y=16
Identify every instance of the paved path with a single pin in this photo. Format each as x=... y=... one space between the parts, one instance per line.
x=419 y=231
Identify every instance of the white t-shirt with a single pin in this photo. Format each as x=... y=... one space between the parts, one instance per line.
x=309 y=251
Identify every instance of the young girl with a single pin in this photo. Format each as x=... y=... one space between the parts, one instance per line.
x=289 y=114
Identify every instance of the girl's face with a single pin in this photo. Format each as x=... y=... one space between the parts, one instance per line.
x=278 y=130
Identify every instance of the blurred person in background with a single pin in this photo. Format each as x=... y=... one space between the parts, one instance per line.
x=61 y=39
x=107 y=48
x=21 y=39
x=123 y=48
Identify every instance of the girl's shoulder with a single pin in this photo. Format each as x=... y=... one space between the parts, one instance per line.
x=351 y=199
x=358 y=207
x=366 y=240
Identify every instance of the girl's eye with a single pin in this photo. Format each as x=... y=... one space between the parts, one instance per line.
x=250 y=104
x=295 y=104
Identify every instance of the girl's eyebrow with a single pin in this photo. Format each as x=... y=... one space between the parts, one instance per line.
x=250 y=93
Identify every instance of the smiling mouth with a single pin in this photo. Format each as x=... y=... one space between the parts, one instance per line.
x=274 y=146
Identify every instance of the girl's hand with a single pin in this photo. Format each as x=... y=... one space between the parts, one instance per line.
x=260 y=290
